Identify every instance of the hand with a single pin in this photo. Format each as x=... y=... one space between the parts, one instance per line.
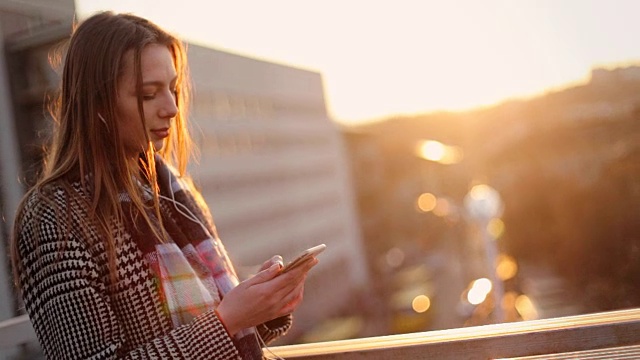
x=263 y=297
x=274 y=260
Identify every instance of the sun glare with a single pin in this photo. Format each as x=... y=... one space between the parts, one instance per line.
x=405 y=57
x=436 y=151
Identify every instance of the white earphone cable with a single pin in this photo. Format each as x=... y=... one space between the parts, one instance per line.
x=191 y=216
x=186 y=213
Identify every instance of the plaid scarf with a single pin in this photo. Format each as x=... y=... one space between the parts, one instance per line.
x=191 y=267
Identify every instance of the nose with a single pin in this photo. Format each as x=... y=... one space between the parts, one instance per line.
x=169 y=108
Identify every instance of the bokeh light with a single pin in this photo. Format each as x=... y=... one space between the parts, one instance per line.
x=479 y=290
x=506 y=267
x=426 y=202
x=526 y=308
x=421 y=303
x=442 y=208
x=432 y=150
x=495 y=227
x=394 y=257
x=436 y=151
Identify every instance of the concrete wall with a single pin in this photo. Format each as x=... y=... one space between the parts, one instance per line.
x=17 y=18
x=273 y=169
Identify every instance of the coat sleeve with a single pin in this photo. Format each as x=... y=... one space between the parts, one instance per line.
x=72 y=314
x=275 y=328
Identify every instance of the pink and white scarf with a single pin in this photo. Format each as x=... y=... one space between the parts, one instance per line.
x=192 y=268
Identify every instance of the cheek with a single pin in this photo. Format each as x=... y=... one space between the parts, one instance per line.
x=132 y=133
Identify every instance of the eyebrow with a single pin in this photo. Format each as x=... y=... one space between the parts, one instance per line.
x=159 y=82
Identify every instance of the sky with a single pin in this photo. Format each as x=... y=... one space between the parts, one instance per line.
x=381 y=58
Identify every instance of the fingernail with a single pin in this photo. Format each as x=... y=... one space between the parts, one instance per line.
x=278 y=260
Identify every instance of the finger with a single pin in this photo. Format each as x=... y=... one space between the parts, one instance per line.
x=295 y=293
x=293 y=280
x=264 y=275
x=293 y=299
x=283 y=285
x=304 y=267
x=287 y=281
x=295 y=276
x=277 y=259
x=299 y=262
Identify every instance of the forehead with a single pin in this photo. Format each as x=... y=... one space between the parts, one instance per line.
x=156 y=64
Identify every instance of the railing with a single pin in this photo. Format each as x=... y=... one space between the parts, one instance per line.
x=16 y=331
x=539 y=337
x=614 y=335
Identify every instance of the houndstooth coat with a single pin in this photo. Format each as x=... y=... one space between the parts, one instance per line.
x=76 y=311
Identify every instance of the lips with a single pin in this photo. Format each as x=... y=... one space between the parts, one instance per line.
x=161 y=133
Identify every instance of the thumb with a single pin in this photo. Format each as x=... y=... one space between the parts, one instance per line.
x=275 y=259
x=264 y=275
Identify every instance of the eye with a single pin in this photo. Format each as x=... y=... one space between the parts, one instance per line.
x=148 y=96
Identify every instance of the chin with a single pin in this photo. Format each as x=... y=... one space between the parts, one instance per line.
x=158 y=145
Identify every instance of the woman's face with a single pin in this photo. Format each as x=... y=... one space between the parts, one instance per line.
x=158 y=99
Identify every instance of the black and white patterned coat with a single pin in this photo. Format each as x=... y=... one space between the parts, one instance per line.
x=78 y=313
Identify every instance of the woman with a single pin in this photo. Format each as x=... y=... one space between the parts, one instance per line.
x=114 y=251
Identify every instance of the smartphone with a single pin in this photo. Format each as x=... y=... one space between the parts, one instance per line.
x=305 y=255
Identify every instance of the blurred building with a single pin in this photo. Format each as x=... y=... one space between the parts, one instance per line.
x=369 y=180
x=272 y=164
x=369 y=177
x=412 y=251
x=36 y=21
x=274 y=171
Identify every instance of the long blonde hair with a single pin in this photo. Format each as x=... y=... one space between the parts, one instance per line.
x=86 y=146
